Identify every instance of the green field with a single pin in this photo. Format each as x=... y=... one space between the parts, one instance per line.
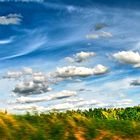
x=92 y=124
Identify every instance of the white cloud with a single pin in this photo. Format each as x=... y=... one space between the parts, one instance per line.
x=124 y=102
x=63 y=106
x=73 y=71
x=32 y=44
x=99 y=35
x=38 y=74
x=60 y=95
x=99 y=69
x=92 y=36
x=13 y=74
x=18 y=74
x=63 y=94
x=10 y=19
x=137 y=65
x=128 y=57
x=71 y=8
x=104 y=105
x=72 y=106
x=27 y=71
x=31 y=87
x=6 y=41
x=73 y=100
x=60 y=107
x=32 y=82
x=80 y=57
x=135 y=82
x=27 y=107
x=84 y=103
x=39 y=79
x=109 y=90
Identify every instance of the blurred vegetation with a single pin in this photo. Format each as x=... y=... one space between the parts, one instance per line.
x=92 y=124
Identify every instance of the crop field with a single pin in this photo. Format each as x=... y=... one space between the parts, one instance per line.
x=92 y=124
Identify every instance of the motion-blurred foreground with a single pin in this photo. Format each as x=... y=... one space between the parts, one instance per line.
x=97 y=124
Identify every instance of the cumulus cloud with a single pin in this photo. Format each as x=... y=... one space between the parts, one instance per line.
x=10 y=19
x=60 y=95
x=80 y=57
x=73 y=71
x=99 y=69
x=136 y=65
x=99 y=35
x=32 y=87
x=39 y=79
x=128 y=57
x=18 y=74
x=135 y=82
x=26 y=71
x=30 y=82
x=13 y=74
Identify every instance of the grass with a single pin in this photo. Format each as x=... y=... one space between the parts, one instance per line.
x=97 y=124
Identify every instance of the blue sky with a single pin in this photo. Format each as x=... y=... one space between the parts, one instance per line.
x=88 y=50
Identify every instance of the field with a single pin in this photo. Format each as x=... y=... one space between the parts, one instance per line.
x=92 y=124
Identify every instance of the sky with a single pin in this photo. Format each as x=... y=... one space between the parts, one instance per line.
x=67 y=54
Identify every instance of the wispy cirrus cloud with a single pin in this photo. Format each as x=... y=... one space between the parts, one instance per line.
x=32 y=45
x=6 y=41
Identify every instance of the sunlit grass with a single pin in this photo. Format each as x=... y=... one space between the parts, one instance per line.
x=90 y=124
